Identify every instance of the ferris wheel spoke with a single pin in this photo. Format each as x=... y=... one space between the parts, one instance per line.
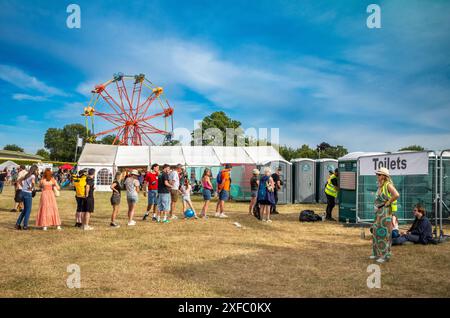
x=126 y=95
x=107 y=131
x=106 y=99
x=111 y=120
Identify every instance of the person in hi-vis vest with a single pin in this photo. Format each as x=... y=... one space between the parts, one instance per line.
x=331 y=191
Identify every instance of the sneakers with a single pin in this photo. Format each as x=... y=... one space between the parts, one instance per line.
x=372 y=257
x=17 y=227
x=217 y=215
x=145 y=217
x=44 y=228
x=13 y=210
x=132 y=223
x=78 y=224
x=59 y=228
x=166 y=221
x=223 y=216
x=381 y=260
x=114 y=225
x=269 y=221
x=174 y=217
x=87 y=228
x=154 y=218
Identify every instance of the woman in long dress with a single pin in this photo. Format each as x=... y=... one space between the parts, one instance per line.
x=385 y=206
x=48 y=214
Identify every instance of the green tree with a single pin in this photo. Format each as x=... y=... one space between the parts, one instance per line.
x=107 y=140
x=13 y=147
x=62 y=142
x=334 y=152
x=220 y=121
x=43 y=153
x=413 y=148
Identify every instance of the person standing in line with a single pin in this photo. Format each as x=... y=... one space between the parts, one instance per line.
x=278 y=183
x=151 y=182
x=174 y=178
x=164 y=188
x=331 y=192
x=3 y=176
x=254 y=185
x=90 y=187
x=223 y=188
x=186 y=190
x=132 y=186
x=385 y=206
x=207 y=191
x=80 y=196
x=48 y=214
x=18 y=200
x=27 y=183
x=116 y=198
x=266 y=196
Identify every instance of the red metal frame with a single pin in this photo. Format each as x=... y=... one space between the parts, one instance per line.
x=129 y=116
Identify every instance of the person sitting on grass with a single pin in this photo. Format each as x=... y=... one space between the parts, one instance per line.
x=186 y=195
x=420 y=231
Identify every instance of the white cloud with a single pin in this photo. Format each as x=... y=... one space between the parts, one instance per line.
x=33 y=98
x=19 y=78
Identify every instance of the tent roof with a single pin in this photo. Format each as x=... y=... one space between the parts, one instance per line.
x=137 y=156
x=97 y=155
x=302 y=159
x=264 y=154
x=134 y=156
x=8 y=164
x=232 y=155
x=164 y=154
x=201 y=156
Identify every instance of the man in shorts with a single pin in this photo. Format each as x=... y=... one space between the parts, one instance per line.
x=164 y=187
x=151 y=179
x=90 y=187
x=174 y=178
x=18 y=201
x=79 y=183
x=223 y=188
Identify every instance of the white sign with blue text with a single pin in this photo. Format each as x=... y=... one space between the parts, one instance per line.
x=399 y=164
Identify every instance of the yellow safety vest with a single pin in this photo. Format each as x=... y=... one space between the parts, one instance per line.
x=330 y=189
x=385 y=191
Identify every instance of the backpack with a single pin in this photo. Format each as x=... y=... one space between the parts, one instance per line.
x=309 y=216
x=219 y=178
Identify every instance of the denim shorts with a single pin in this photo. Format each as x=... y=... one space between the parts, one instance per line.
x=254 y=194
x=132 y=198
x=164 y=201
x=206 y=194
x=224 y=195
x=152 y=197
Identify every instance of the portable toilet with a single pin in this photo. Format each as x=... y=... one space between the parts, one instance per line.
x=304 y=180
x=414 y=175
x=323 y=169
x=285 y=193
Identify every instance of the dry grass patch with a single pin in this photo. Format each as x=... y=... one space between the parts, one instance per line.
x=207 y=258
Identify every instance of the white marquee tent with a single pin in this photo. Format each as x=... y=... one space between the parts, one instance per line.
x=107 y=159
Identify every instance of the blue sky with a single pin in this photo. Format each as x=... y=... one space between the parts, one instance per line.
x=310 y=68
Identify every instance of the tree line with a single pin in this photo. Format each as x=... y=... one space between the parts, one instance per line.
x=60 y=143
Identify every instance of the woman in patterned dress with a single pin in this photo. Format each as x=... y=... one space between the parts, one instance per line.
x=385 y=206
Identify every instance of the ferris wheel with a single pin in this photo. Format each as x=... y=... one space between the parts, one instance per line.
x=135 y=107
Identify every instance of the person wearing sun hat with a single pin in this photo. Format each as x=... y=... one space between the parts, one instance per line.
x=385 y=206
x=132 y=186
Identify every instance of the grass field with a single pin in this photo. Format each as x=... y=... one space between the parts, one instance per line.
x=207 y=258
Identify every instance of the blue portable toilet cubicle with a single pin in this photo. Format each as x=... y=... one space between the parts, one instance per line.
x=323 y=169
x=304 y=180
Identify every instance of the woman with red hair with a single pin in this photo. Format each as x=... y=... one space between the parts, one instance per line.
x=48 y=214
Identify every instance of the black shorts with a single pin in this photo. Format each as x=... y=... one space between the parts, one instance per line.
x=81 y=204
x=18 y=196
x=89 y=205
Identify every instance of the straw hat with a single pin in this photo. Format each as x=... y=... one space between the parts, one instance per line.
x=383 y=171
x=135 y=172
x=255 y=171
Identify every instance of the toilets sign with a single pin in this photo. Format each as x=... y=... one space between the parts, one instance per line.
x=400 y=164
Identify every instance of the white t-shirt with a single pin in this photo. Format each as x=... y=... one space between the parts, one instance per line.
x=173 y=177
x=27 y=184
x=186 y=192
